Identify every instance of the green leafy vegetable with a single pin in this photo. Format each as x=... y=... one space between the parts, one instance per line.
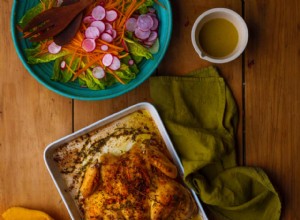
x=143 y=9
x=91 y=82
x=82 y=72
x=44 y=4
x=66 y=74
x=137 y=49
x=155 y=47
x=125 y=73
x=34 y=56
x=133 y=68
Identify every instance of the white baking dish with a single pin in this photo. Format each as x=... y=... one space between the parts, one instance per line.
x=55 y=172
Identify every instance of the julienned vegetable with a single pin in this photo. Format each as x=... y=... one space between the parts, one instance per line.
x=114 y=36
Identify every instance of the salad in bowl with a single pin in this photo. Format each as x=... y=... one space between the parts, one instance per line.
x=116 y=46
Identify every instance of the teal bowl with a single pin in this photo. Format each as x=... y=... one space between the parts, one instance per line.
x=42 y=72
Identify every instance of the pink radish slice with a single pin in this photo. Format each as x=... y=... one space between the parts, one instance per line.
x=59 y=2
x=98 y=72
x=116 y=64
x=111 y=15
x=108 y=26
x=88 y=19
x=131 y=62
x=143 y=35
x=153 y=15
x=109 y=32
x=145 y=22
x=107 y=59
x=148 y=43
x=92 y=32
x=98 y=13
x=88 y=45
x=104 y=47
x=114 y=33
x=53 y=48
x=131 y=24
x=153 y=36
x=107 y=37
x=98 y=24
x=155 y=24
x=63 y=65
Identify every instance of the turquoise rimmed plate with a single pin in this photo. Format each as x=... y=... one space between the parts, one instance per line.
x=43 y=72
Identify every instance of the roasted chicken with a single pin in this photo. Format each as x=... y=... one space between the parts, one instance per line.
x=139 y=184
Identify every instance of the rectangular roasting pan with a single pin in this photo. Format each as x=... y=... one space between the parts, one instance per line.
x=53 y=169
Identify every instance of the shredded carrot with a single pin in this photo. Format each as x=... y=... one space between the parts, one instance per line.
x=124 y=55
x=88 y=65
x=70 y=69
x=116 y=76
x=160 y=4
x=125 y=10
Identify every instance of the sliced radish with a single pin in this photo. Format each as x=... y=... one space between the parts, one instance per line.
x=107 y=37
x=108 y=26
x=116 y=64
x=148 y=43
x=109 y=32
x=88 y=19
x=155 y=24
x=92 y=33
x=113 y=33
x=145 y=22
x=143 y=35
x=63 y=65
x=59 y=2
x=104 y=47
x=88 y=45
x=153 y=15
x=131 y=24
x=98 y=24
x=111 y=15
x=107 y=59
x=98 y=72
x=153 y=36
x=54 y=48
x=98 y=13
x=131 y=62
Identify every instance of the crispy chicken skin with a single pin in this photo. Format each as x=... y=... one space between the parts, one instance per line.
x=139 y=184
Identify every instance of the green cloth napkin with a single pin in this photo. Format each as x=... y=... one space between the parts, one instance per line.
x=201 y=117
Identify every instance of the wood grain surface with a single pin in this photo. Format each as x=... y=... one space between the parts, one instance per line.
x=272 y=96
x=264 y=82
x=31 y=117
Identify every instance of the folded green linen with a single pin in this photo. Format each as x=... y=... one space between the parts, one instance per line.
x=201 y=117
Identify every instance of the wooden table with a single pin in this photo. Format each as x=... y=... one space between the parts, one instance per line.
x=264 y=82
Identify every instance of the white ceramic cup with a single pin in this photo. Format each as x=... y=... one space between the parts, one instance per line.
x=229 y=15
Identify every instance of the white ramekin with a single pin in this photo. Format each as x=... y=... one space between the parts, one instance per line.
x=231 y=16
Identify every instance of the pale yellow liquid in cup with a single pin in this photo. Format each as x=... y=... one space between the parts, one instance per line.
x=218 y=37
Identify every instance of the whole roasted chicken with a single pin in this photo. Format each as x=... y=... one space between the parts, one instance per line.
x=139 y=184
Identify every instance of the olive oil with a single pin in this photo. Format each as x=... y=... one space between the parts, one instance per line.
x=218 y=37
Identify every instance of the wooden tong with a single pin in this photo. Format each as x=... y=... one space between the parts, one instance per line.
x=54 y=20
